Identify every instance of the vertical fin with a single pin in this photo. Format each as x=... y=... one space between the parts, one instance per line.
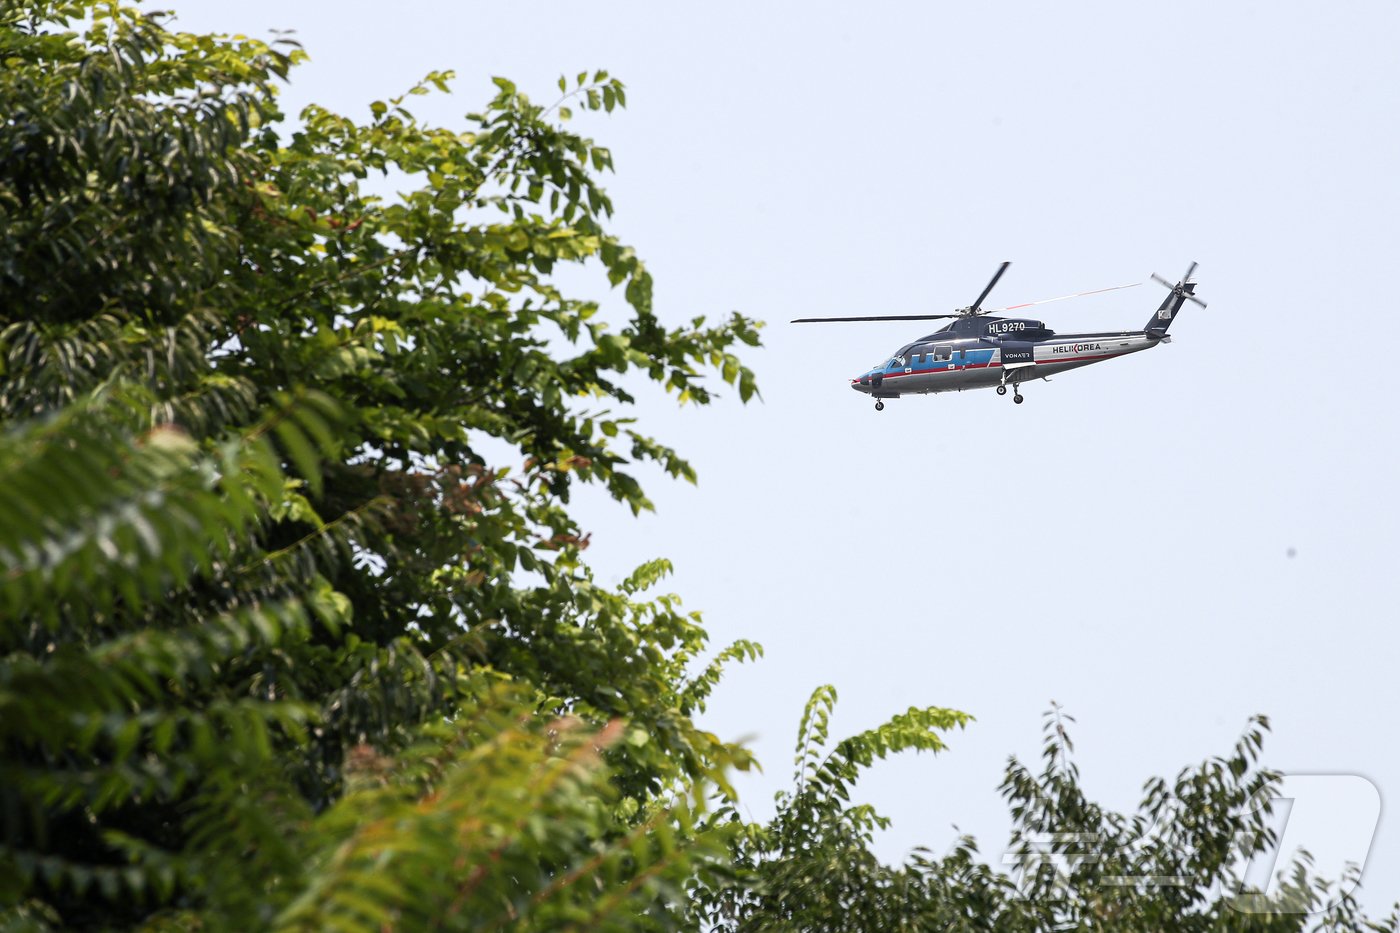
x=1166 y=312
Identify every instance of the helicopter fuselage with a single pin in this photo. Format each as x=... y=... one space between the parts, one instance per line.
x=977 y=351
x=984 y=352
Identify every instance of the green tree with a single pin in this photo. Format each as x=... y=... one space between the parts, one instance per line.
x=1175 y=864
x=295 y=627
x=252 y=540
x=811 y=868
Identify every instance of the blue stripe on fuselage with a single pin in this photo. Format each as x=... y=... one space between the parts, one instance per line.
x=974 y=358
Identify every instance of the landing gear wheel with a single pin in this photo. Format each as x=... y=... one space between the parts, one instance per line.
x=1019 y=398
x=1001 y=390
x=879 y=406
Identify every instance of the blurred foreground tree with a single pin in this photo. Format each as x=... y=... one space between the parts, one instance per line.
x=294 y=629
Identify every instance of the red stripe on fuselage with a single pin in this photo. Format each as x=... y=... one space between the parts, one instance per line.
x=1075 y=359
x=939 y=372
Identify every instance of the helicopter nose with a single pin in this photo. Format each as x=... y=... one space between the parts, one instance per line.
x=861 y=383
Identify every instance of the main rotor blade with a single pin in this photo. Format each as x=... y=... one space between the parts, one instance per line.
x=935 y=317
x=874 y=317
x=972 y=308
x=1046 y=301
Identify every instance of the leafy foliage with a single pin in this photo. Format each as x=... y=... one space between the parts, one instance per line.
x=295 y=627
x=811 y=868
x=286 y=472
x=498 y=819
x=1175 y=864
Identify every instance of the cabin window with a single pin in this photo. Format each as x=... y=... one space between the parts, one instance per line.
x=943 y=353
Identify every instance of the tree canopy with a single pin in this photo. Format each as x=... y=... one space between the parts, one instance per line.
x=255 y=548
x=296 y=630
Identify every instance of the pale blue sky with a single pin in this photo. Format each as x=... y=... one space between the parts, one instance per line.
x=1119 y=542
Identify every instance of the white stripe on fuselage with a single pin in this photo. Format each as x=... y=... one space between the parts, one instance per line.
x=1088 y=349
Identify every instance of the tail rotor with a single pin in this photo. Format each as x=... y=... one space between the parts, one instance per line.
x=1181 y=292
x=1184 y=288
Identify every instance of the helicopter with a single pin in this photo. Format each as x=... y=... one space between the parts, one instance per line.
x=978 y=351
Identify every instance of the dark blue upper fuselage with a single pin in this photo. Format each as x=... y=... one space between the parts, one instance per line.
x=984 y=328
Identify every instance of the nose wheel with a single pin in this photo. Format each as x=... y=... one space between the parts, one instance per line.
x=879 y=406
